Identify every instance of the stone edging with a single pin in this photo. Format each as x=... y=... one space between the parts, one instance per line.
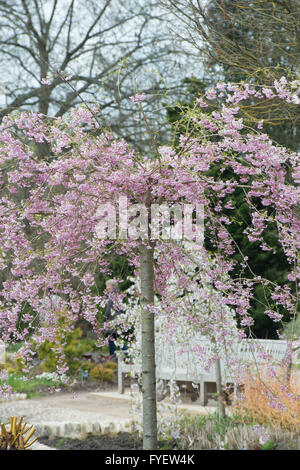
x=77 y=430
x=38 y=446
x=15 y=396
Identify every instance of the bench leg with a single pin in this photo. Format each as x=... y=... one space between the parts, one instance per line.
x=121 y=387
x=203 y=393
x=235 y=391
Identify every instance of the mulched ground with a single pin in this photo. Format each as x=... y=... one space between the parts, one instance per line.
x=122 y=441
x=90 y=385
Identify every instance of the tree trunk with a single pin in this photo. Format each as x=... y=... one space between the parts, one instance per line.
x=220 y=390
x=289 y=364
x=148 y=349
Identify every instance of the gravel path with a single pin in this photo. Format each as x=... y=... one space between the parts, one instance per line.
x=35 y=411
x=78 y=415
x=79 y=407
x=69 y=415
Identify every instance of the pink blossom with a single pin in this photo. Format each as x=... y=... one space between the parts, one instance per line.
x=138 y=98
x=46 y=81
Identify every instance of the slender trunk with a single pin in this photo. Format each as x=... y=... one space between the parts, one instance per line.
x=288 y=372
x=148 y=349
x=218 y=375
x=220 y=390
x=289 y=364
x=42 y=148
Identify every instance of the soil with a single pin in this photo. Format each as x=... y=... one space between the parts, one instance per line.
x=122 y=441
x=86 y=385
x=93 y=385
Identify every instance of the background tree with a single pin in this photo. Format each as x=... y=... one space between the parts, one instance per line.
x=252 y=40
x=91 y=51
x=55 y=55
x=270 y=265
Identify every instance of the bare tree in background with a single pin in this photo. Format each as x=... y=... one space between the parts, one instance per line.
x=107 y=50
x=256 y=40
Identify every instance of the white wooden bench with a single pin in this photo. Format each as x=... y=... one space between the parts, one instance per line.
x=173 y=364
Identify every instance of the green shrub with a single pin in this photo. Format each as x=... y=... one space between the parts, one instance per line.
x=97 y=371
x=19 y=365
x=270 y=445
x=87 y=365
x=9 y=364
x=108 y=375
x=111 y=365
x=103 y=373
x=74 y=348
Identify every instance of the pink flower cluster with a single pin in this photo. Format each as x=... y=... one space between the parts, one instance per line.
x=138 y=98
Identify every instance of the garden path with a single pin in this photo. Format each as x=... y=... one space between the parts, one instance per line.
x=78 y=415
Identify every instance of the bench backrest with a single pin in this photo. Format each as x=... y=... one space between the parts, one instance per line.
x=178 y=363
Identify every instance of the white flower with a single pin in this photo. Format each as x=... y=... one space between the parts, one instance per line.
x=46 y=81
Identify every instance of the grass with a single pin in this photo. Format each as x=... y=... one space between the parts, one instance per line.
x=14 y=347
x=60 y=442
x=32 y=387
x=220 y=425
x=233 y=433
